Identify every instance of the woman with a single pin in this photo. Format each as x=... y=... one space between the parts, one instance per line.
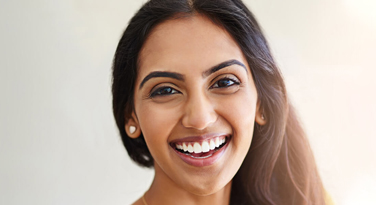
x=198 y=96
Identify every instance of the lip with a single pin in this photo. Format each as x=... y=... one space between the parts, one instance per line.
x=201 y=162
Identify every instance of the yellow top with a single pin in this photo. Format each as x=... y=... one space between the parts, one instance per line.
x=328 y=199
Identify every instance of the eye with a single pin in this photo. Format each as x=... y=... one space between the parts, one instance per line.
x=162 y=91
x=225 y=82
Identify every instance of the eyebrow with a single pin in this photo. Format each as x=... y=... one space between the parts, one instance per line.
x=164 y=74
x=180 y=77
x=223 y=65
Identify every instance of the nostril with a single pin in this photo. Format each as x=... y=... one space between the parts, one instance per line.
x=198 y=122
x=199 y=112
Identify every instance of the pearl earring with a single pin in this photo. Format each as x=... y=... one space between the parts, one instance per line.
x=132 y=129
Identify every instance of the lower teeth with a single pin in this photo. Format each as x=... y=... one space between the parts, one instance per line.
x=199 y=157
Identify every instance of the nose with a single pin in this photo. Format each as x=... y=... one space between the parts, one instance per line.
x=199 y=112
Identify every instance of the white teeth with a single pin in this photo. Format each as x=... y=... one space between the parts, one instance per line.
x=212 y=145
x=205 y=146
x=190 y=148
x=197 y=148
x=217 y=142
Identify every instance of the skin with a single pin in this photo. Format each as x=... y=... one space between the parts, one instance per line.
x=198 y=105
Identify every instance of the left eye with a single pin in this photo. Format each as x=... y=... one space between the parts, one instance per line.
x=223 y=83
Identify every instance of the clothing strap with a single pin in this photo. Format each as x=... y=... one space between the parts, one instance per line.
x=143 y=199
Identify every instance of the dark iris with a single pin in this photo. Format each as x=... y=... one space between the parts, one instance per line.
x=225 y=83
x=163 y=91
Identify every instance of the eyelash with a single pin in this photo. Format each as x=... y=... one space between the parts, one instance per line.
x=234 y=82
x=158 y=92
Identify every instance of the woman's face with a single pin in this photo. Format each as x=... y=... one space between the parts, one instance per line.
x=196 y=104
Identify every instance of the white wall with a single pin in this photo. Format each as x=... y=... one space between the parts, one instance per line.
x=58 y=140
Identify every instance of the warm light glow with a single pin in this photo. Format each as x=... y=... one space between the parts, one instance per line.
x=364 y=9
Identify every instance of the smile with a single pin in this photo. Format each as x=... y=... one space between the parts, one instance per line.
x=202 y=152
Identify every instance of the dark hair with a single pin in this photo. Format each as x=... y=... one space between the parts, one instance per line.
x=279 y=167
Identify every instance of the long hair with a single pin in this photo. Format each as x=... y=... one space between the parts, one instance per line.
x=279 y=167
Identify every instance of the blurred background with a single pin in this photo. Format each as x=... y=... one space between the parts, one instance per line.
x=58 y=139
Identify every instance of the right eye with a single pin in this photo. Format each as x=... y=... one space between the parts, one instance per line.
x=163 y=91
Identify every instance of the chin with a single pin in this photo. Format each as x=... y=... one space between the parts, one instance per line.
x=206 y=189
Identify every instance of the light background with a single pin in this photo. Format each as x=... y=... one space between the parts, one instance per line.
x=58 y=140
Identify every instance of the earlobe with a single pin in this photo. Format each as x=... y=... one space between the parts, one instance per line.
x=260 y=115
x=132 y=127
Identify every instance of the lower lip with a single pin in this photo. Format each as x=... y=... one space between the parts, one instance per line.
x=201 y=162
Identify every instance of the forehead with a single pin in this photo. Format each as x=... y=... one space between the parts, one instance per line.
x=182 y=44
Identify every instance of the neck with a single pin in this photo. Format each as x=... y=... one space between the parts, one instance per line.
x=165 y=191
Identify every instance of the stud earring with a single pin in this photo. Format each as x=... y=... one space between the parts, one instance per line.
x=262 y=116
x=132 y=129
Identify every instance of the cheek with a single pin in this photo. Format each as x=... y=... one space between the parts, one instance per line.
x=156 y=123
x=240 y=110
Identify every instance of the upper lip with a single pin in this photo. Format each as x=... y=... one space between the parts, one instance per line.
x=199 y=138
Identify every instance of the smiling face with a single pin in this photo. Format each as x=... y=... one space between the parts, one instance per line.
x=195 y=103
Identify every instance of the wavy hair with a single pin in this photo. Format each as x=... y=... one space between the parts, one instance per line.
x=279 y=167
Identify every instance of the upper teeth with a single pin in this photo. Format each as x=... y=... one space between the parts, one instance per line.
x=205 y=146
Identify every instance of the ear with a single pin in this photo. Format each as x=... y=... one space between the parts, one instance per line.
x=132 y=127
x=260 y=115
